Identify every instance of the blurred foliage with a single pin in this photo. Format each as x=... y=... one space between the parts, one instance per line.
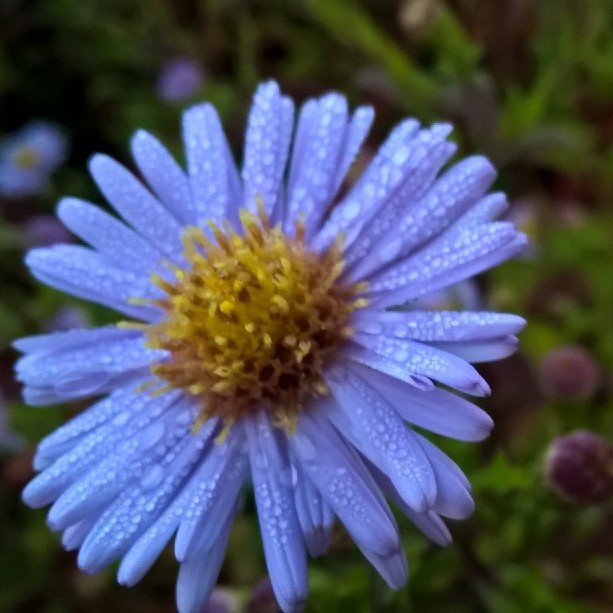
x=527 y=82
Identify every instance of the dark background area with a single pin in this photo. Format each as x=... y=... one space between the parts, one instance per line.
x=528 y=83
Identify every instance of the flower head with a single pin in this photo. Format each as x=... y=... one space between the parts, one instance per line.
x=28 y=157
x=180 y=78
x=262 y=347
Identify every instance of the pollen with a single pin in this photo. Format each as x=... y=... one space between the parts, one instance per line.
x=26 y=158
x=252 y=320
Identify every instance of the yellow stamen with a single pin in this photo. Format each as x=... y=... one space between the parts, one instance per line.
x=253 y=320
x=26 y=158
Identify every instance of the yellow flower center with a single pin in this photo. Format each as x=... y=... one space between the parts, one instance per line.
x=26 y=158
x=253 y=320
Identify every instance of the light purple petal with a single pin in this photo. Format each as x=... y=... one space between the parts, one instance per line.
x=344 y=482
x=198 y=575
x=317 y=149
x=446 y=261
x=213 y=177
x=393 y=567
x=98 y=487
x=358 y=355
x=485 y=210
x=428 y=522
x=67 y=436
x=315 y=515
x=143 y=553
x=376 y=430
x=165 y=177
x=137 y=507
x=481 y=351
x=453 y=497
x=220 y=478
x=117 y=243
x=281 y=534
x=137 y=205
x=71 y=339
x=437 y=456
x=267 y=142
x=428 y=326
x=87 y=370
x=64 y=465
x=74 y=535
x=357 y=130
x=325 y=145
x=402 y=169
x=372 y=188
x=418 y=358
x=398 y=231
x=428 y=151
x=85 y=274
x=437 y=410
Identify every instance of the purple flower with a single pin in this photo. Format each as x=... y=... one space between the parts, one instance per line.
x=261 y=347
x=180 y=78
x=28 y=157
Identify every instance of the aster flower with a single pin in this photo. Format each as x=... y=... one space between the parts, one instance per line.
x=28 y=157
x=180 y=78
x=261 y=347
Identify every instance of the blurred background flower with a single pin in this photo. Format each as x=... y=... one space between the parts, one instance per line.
x=29 y=156
x=180 y=78
x=569 y=373
x=44 y=230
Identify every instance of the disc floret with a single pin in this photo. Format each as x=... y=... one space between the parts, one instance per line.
x=253 y=320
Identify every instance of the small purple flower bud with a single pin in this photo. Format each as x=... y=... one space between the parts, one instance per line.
x=262 y=598
x=570 y=373
x=579 y=467
x=180 y=78
x=44 y=230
